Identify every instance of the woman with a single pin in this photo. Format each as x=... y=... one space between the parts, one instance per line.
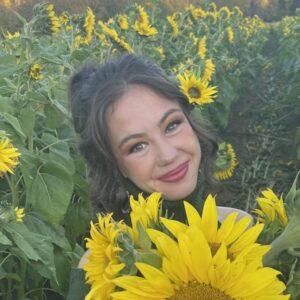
x=138 y=134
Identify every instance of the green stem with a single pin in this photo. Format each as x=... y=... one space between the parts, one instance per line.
x=14 y=190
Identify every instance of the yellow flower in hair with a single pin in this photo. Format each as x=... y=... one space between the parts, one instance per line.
x=202 y=47
x=102 y=264
x=196 y=90
x=271 y=208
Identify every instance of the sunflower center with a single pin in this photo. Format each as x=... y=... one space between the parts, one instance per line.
x=194 y=92
x=199 y=291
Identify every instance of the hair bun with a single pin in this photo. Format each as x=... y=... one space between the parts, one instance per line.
x=81 y=91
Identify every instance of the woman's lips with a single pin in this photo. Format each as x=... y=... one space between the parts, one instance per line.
x=176 y=174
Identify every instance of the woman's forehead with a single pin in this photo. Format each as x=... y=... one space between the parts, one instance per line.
x=140 y=99
x=138 y=110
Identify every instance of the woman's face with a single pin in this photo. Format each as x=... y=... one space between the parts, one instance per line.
x=153 y=143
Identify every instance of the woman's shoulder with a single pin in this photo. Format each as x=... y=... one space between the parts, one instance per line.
x=224 y=212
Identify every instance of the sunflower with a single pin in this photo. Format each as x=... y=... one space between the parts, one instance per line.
x=123 y=22
x=161 y=52
x=144 y=29
x=89 y=25
x=102 y=261
x=36 y=72
x=11 y=36
x=9 y=156
x=236 y=236
x=271 y=208
x=226 y=162
x=142 y=25
x=54 y=20
x=145 y=210
x=174 y=25
x=191 y=271
x=202 y=47
x=19 y=214
x=196 y=90
x=230 y=34
x=112 y=33
x=224 y=12
x=209 y=70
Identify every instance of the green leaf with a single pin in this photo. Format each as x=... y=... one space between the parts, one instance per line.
x=51 y=191
x=27 y=119
x=58 y=151
x=63 y=269
x=13 y=121
x=56 y=233
x=144 y=239
x=36 y=247
x=4 y=240
x=6 y=105
x=21 y=237
x=8 y=65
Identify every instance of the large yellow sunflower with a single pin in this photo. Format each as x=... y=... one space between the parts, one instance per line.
x=271 y=208
x=9 y=156
x=102 y=261
x=196 y=89
x=238 y=238
x=191 y=271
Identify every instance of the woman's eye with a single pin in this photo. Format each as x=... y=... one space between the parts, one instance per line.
x=173 y=125
x=137 y=147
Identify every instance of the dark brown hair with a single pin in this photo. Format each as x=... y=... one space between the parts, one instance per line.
x=96 y=87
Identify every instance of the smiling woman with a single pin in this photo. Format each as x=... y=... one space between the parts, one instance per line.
x=138 y=134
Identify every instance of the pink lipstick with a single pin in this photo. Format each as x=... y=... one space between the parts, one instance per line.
x=176 y=174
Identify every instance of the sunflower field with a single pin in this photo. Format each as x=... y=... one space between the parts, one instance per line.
x=241 y=73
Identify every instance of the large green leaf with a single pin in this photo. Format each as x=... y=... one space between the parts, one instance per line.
x=36 y=247
x=55 y=232
x=51 y=191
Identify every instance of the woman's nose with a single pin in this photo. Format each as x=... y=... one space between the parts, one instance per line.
x=166 y=152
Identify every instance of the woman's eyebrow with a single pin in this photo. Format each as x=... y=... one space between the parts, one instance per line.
x=140 y=135
x=129 y=137
x=167 y=113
